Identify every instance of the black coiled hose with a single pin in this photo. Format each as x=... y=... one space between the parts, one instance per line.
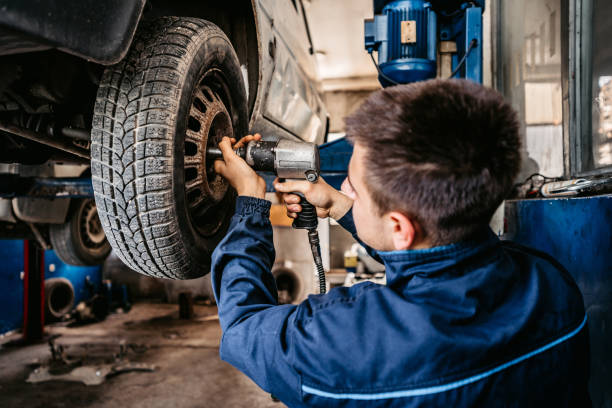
x=313 y=238
x=307 y=219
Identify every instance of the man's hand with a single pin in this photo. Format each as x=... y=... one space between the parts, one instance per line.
x=236 y=171
x=328 y=201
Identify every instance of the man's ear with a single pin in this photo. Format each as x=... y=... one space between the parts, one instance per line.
x=403 y=230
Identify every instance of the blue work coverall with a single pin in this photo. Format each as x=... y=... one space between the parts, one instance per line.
x=477 y=323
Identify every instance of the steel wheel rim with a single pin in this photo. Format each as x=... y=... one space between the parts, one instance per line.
x=208 y=121
x=91 y=227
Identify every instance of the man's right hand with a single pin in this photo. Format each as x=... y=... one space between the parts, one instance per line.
x=328 y=201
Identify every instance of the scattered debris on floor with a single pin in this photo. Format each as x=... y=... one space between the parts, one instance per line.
x=183 y=352
x=85 y=365
x=88 y=375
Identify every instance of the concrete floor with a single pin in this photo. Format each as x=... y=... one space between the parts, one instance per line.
x=189 y=372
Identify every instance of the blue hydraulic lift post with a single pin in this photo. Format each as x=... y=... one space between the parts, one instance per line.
x=473 y=30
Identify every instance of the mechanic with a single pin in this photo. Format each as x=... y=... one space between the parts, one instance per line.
x=464 y=319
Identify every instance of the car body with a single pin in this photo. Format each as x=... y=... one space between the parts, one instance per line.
x=53 y=56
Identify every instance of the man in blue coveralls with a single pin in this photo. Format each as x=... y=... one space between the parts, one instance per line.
x=464 y=320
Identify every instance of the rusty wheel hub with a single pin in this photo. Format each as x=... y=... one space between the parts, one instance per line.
x=208 y=122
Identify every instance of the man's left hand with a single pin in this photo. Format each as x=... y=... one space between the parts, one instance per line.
x=236 y=171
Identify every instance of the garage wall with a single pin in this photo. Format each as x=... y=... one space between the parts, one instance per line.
x=340 y=104
x=346 y=73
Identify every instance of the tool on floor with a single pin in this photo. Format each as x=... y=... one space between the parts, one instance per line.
x=288 y=160
x=88 y=363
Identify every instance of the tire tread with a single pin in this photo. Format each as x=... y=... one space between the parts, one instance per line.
x=132 y=139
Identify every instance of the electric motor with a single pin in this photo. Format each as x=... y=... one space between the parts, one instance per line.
x=405 y=36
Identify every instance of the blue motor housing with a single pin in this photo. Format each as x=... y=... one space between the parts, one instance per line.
x=405 y=36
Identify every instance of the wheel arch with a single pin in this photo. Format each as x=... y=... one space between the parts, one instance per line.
x=236 y=18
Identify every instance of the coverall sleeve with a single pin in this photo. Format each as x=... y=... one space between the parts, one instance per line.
x=256 y=331
x=348 y=224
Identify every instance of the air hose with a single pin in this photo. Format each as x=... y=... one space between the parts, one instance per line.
x=307 y=219
x=313 y=238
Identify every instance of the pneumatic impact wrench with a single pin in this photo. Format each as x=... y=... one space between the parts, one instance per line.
x=288 y=160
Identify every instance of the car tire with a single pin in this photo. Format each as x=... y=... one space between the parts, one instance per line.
x=289 y=285
x=59 y=298
x=178 y=91
x=80 y=240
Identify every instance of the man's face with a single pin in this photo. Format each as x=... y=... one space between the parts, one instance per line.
x=369 y=224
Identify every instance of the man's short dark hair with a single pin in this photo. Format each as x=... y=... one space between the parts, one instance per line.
x=443 y=152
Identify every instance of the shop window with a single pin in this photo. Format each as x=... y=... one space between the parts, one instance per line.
x=529 y=74
x=594 y=54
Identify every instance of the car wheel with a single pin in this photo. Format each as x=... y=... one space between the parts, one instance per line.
x=178 y=91
x=80 y=240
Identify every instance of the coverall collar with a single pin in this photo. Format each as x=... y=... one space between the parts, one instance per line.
x=403 y=265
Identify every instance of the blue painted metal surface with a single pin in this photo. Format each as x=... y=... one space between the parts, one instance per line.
x=69 y=187
x=77 y=275
x=473 y=31
x=404 y=62
x=11 y=267
x=335 y=157
x=458 y=21
x=578 y=233
x=11 y=300
x=409 y=62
